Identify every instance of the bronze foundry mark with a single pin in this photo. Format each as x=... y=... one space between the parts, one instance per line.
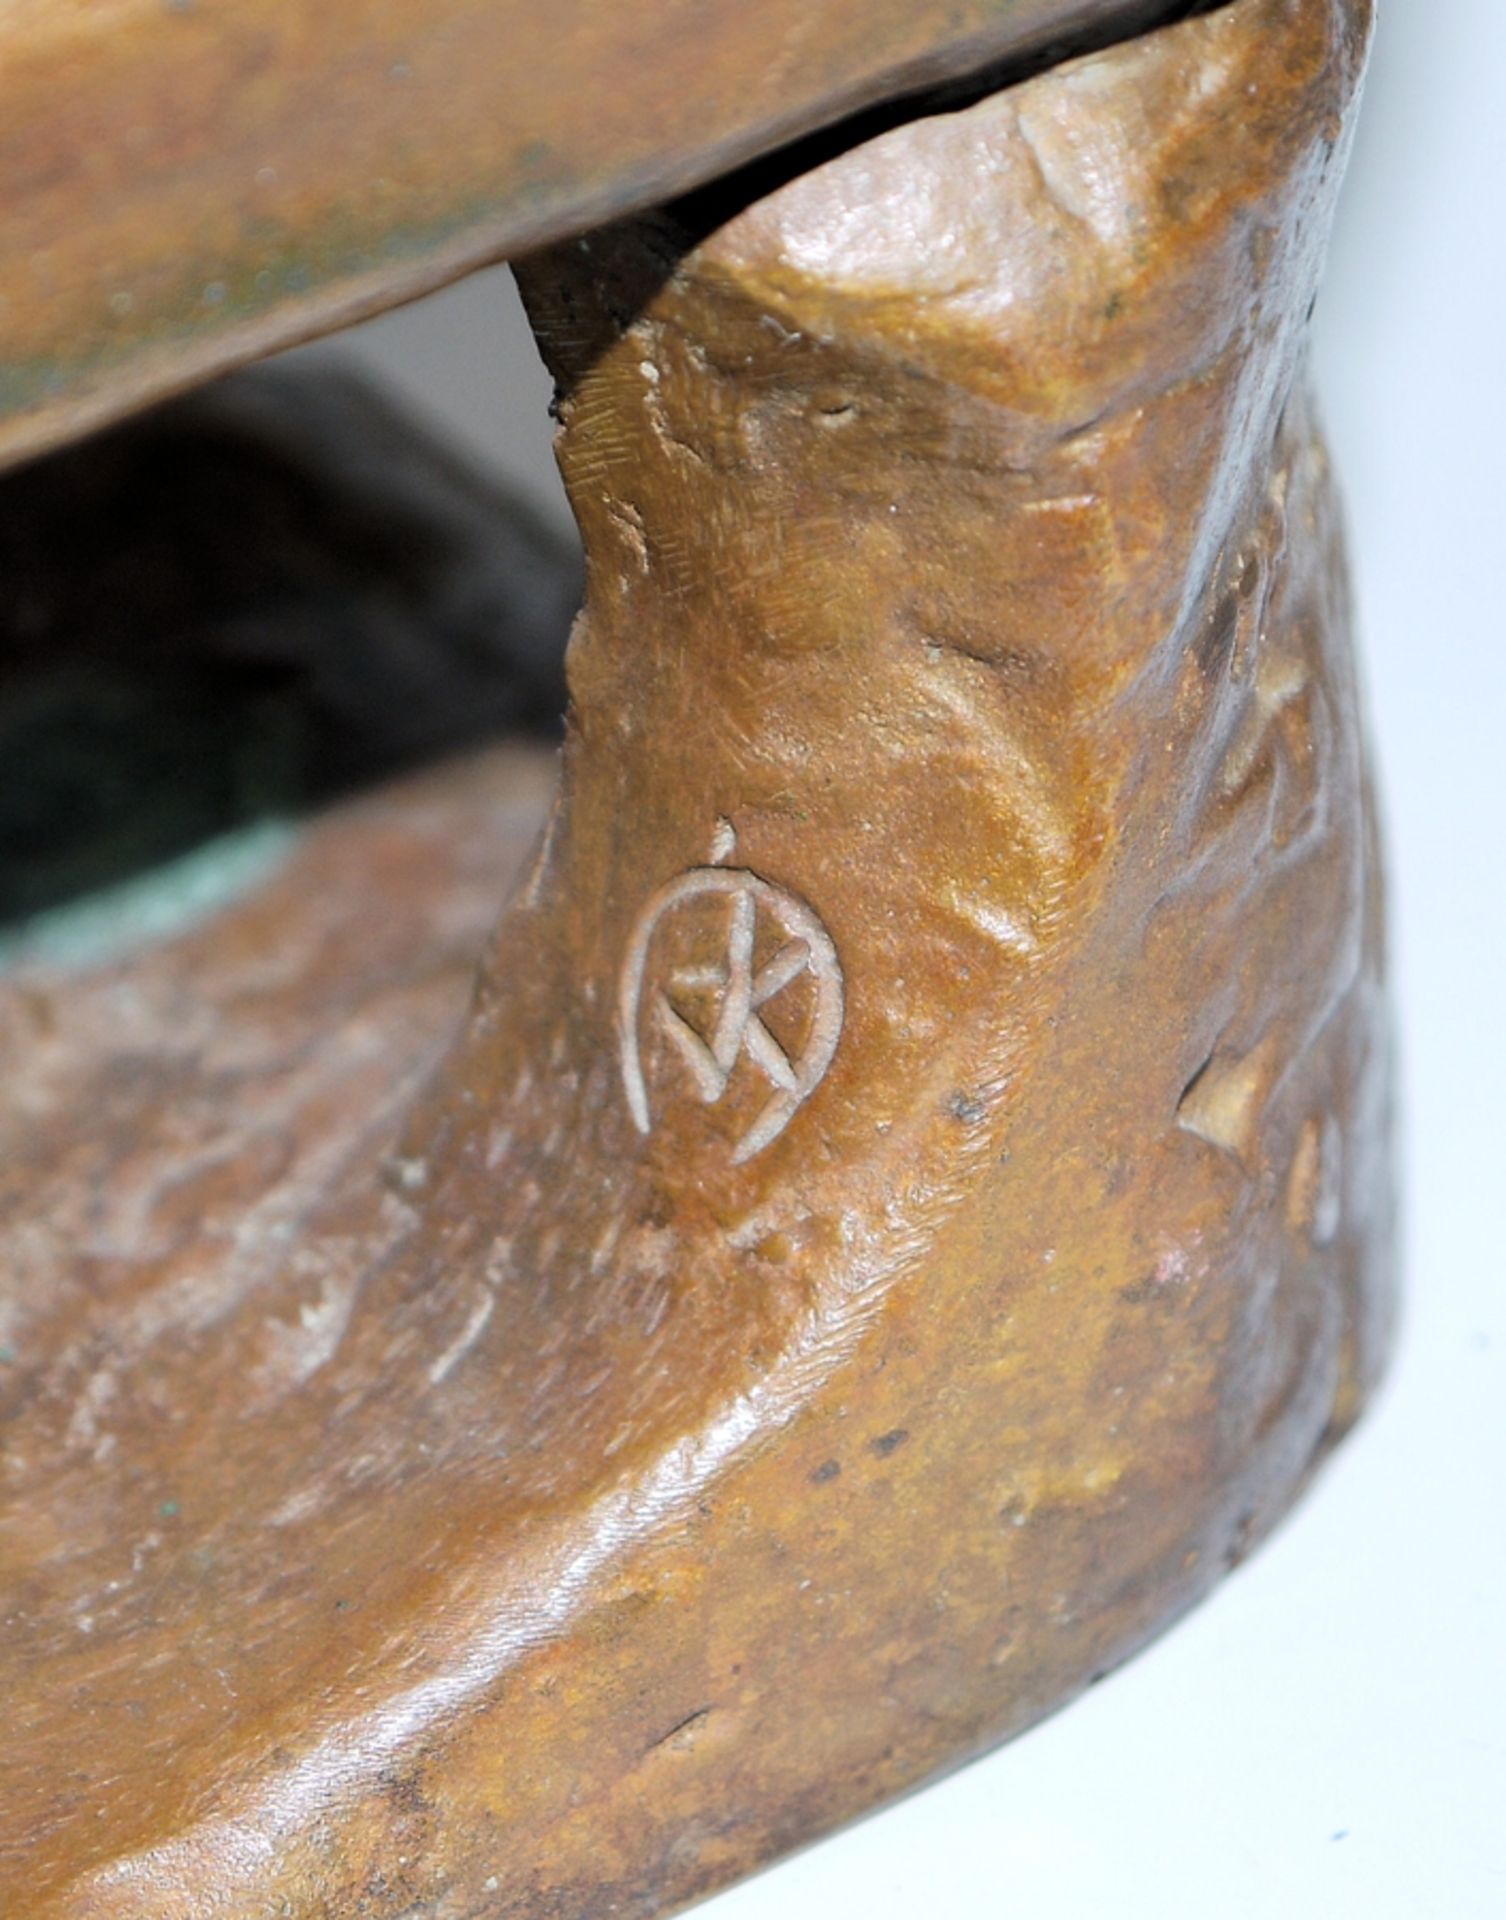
x=740 y=988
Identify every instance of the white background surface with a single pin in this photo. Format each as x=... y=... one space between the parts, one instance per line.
x=1327 y=1736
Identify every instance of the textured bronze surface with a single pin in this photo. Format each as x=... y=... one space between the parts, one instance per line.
x=185 y=184
x=909 y=1205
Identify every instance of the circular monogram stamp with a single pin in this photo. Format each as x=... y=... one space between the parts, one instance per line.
x=742 y=970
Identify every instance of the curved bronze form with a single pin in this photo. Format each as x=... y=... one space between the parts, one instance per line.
x=559 y=1490
x=190 y=183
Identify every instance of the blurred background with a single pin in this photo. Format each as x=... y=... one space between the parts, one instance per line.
x=1328 y=1735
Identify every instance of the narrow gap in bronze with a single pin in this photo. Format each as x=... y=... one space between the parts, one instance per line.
x=703 y=210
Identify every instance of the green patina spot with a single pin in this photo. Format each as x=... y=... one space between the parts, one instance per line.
x=170 y=900
x=132 y=807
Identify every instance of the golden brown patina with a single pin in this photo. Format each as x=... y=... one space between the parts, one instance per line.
x=189 y=183
x=510 y=1505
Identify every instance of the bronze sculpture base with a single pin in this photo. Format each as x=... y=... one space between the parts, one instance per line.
x=908 y=1206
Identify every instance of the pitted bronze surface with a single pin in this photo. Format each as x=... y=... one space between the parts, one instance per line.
x=536 y=1506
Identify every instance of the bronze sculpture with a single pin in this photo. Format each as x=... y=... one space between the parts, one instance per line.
x=930 y=1081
